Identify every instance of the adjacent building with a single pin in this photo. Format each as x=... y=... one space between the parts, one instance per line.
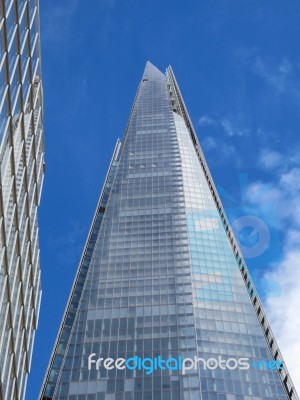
x=162 y=280
x=21 y=179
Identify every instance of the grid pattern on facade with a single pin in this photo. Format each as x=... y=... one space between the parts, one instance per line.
x=165 y=279
x=141 y=295
x=273 y=348
x=21 y=179
x=226 y=324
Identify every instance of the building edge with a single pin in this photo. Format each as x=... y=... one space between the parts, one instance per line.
x=69 y=314
x=179 y=107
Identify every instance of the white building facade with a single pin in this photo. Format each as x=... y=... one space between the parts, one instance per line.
x=21 y=179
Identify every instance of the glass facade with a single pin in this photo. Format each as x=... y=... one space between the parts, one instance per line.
x=165 y=279
x=21 y=179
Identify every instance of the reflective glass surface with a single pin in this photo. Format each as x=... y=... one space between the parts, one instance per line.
x=21 y=178
x=163 y=279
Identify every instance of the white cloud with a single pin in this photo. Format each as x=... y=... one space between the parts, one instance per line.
x=291 y=180
x=261 y=193
x=225 y=150
x=280 y=73
x=283 y=311
x=206 y=120
x=233 y=128
x=270 y=159
x=286 y=200
x=276 y=73
x=289 y=201
x=226 y=125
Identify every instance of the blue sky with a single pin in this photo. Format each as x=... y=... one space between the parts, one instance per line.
x=237 y=63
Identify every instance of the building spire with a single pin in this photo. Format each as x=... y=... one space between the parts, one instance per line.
x=151 y=72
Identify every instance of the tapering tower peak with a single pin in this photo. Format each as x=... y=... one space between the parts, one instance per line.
x=151 y=72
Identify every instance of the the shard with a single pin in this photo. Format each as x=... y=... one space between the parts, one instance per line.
x=162 y=280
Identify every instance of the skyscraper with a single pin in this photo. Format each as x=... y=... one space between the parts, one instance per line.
x=22 y=170
x=163 y=306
